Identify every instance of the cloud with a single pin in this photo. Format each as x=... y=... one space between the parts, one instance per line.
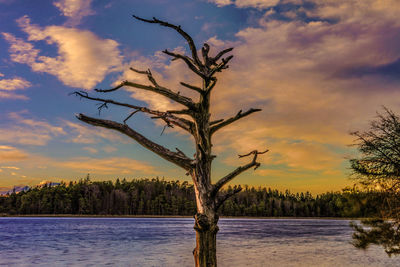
x=290 y=69
x=75 y=10
x=109 y=149
x=83 y=134
x=7 y=95
x=22 y=128
x=115 y=165
x=261 y=4
x=6 y=147
x=14 y=84
x=11 y=154
x=83 y=58
x=21 y=51
x=300 y=71
x=8 y=85
x=300 y=156
x=9 y=167
x=28 y=131
x=17 y=117
x=90 y=149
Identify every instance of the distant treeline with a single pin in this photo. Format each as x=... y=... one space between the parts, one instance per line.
x=160 y=197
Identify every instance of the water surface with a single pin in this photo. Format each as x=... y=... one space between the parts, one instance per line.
x=170 y=242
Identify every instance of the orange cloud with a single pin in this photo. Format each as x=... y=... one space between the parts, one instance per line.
x=9 y=167
x=11 y=154
x=116 y=165
x=307 y=77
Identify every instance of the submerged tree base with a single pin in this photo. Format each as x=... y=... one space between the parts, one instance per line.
x=205 y=252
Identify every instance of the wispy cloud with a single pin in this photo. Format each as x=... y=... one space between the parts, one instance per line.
x=24 y=129
x=14 y=84
x=116 y=165
x=11 y=154
x=83 y=58
x=109 y=149
x=9 y=95
x=27 y=130
x=75 y=10
x=90 y=149
x=9 y=167
x=19 y=118
x=84 y=134
x=9 y=85
x=246 y=3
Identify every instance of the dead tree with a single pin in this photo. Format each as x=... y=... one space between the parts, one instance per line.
x=194 y=118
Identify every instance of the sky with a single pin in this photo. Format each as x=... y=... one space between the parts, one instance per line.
x=318 y=69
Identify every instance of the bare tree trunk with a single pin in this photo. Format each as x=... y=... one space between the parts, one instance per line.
x=205 y=252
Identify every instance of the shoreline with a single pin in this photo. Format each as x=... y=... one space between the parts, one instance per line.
x=171 y=216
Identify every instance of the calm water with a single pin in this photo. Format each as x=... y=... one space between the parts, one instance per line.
x=169 y=242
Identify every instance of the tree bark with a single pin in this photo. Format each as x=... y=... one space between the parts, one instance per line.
x=205 y=252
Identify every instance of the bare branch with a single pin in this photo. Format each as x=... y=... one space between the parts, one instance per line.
x=174 y=157
x=186 y=101
x=139 y=71
x=254 y=152
x=195 y=88
x=101 y=106
x=187 y=37
x=187 y=60
x=180 y=152
x=238 y=116
x=130 y=115
x=149 y=75
x=216 y=121
x=220 y=54
x=220 y=66
x=182 y=111
x=218 y=185
x=221 y=199
x=204 y=51
x=111 y=89
x=166 y=116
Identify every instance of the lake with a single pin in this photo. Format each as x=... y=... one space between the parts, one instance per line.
x=170 y=241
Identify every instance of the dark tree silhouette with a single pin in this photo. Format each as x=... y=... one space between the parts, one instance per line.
x=195 y=120
x=379 y=168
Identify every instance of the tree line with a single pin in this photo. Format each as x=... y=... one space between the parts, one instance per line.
x=160 y=197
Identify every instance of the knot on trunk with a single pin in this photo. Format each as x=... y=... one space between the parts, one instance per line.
x=204 y=223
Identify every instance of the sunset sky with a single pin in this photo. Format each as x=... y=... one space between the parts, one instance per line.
x=319 y=69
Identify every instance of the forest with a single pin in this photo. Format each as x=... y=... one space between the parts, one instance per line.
x=160 y=197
